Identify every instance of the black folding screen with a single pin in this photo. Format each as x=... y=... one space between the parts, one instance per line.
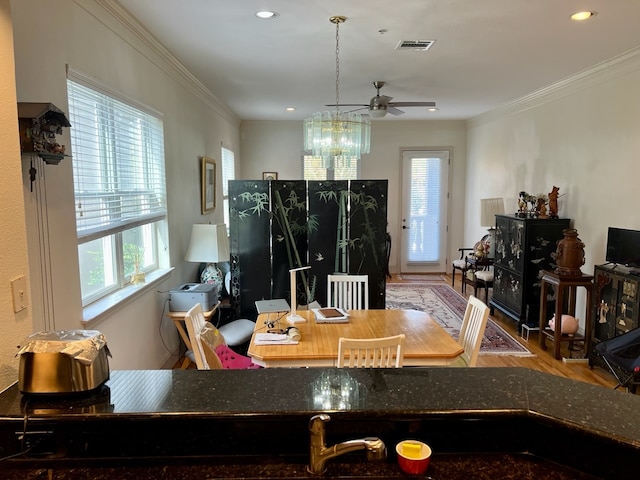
x=332 y=226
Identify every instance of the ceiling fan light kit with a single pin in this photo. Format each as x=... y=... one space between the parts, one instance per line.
x=337 y=137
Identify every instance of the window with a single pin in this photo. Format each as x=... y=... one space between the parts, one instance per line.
x=228 y=173
x=313 y=169
x=120 y=192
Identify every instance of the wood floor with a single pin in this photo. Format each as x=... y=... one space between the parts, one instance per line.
x=542 y=361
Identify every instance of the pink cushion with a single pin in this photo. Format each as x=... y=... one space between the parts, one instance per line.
x=233 y=360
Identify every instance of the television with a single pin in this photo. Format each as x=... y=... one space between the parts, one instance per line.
x=623 y=247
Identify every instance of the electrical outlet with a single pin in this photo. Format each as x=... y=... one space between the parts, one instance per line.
x=19 y=293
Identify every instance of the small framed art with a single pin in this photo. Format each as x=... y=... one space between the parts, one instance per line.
x=269 y=175
x=208 y=187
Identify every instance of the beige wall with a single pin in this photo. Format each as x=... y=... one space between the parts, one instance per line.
x=85 y=35
x=582 y=136
x=277 y=146
x=14 y=327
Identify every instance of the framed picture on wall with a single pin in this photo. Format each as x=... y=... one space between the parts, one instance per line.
x=208 y=187
x=269 y=175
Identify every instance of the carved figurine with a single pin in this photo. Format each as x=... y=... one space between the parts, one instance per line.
x=541 y=208
x=522 y=203
x=553 y=202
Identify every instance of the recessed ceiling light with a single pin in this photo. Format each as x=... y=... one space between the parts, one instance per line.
x=432 y=109
x=266 y=15
x=290 y=109
x=582 y=15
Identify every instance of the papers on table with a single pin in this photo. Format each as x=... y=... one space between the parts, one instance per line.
x=274 y=339
x=330 y=315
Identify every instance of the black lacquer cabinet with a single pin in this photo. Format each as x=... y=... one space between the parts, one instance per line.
x=523 y=249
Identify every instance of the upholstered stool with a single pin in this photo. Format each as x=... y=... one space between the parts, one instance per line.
x=237 y=332
x=484 y=278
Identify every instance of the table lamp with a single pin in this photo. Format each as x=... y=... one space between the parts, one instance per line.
x=293 y=317
x=489 y=208
x=209 y=244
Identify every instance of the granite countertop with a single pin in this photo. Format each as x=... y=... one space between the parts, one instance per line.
x=501 y=411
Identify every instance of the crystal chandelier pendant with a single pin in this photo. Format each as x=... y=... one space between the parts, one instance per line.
x=337 y=137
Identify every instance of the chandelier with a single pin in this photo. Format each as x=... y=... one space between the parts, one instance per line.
x=338 y=137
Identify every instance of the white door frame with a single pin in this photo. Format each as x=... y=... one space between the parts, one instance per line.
x=429 y=267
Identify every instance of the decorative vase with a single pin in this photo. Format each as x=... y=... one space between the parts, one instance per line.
x=569 y=255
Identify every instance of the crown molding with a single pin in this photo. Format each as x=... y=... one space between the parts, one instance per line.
x=610 y=69
x=111 y=14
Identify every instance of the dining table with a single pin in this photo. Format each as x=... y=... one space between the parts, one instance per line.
x=426 y=342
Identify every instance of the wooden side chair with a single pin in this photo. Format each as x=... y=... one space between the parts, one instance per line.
x=460 y=264
x=474 y=324
x=349 y=292
x=386 y=352
x=209 y=348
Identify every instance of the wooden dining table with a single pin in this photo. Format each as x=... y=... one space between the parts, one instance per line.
x=426 y=342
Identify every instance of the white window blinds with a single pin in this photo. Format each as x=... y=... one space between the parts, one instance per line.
x=228 y=169
x=118 y=164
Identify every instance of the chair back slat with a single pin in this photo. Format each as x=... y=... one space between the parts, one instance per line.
x=474 y=324
x=386 y=352
x=349 y=292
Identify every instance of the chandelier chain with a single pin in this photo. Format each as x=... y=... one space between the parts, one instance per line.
x=338 y=66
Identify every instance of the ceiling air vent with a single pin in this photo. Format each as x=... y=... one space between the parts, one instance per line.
x=420 y=45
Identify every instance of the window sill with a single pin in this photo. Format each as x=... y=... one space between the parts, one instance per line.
x=97 y=310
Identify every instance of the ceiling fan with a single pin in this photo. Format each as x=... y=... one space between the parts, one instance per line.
x=381 y=104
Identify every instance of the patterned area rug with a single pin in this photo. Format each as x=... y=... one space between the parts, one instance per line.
x=421 y=277
x=447 y=307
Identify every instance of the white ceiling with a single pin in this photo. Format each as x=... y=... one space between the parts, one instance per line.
x=486 y=52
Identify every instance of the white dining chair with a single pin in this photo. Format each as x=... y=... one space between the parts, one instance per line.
x=349 y=292
x=386 y=352
x=474 y=324
x=194 y=321
x=209 y=347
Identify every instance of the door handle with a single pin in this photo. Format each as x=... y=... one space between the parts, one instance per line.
x=404 y=227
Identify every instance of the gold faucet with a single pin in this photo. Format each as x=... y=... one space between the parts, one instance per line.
x=319 y=453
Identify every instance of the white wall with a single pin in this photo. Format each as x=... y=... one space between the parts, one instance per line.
x=14 y=327
x=582 y=136
x=85 y=35
x=277 y=146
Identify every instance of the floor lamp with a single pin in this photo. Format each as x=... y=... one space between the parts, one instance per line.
x=489 y=208
x=293 y=316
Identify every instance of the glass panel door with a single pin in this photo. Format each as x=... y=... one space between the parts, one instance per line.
x=425 y=180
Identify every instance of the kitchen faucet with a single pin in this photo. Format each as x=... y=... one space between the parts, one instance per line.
x=319 y=453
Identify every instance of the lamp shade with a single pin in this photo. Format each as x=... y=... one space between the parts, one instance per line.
x=209 y=244
x=489 y=208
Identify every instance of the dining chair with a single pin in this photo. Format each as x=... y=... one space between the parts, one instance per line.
x=208 y=346
x=349 y=292
x=460 y=264
x=474 y=324
x=386 y=352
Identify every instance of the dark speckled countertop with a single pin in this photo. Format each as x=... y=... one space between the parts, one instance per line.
x=253 y=422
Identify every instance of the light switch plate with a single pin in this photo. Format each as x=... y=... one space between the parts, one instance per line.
x=19 y=293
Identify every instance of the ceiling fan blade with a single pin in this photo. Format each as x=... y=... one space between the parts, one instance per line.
x=412 y=104
x=347 y=105
x=393 y=110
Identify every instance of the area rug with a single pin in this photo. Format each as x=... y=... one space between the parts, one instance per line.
x=447 y=307
x=421 y=277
